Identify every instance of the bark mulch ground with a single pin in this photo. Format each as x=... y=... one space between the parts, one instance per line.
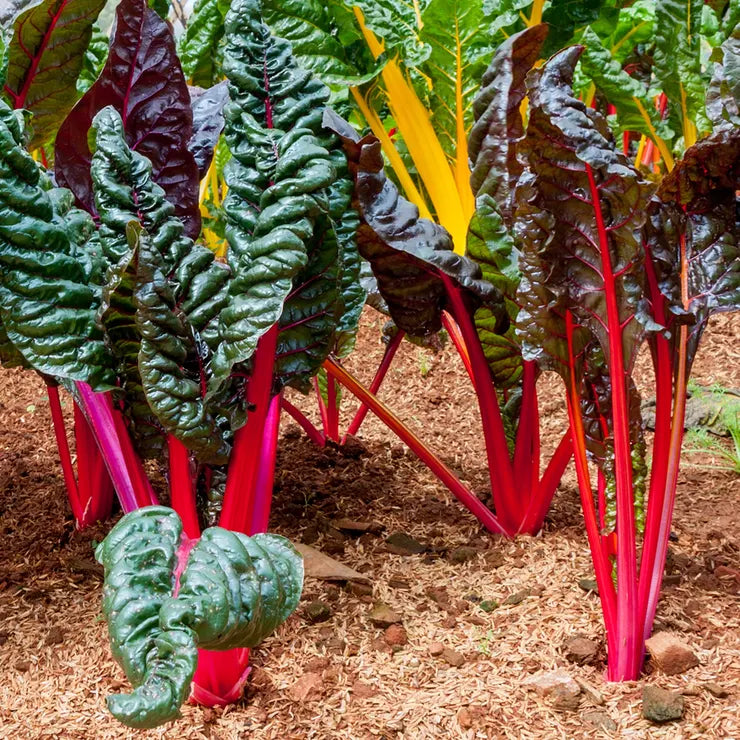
x=344 y=678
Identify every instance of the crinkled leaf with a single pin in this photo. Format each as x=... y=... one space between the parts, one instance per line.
x=94 y=60
x=277 y=179
x=498 y=122
x=723 y=95
x=595 y=202
x=677 y=65
x=505 y=16
x=491 y=245
x=565 y=17
x=310 y=27
x=399 y=25
x=199 y=45
x=208 y=123
x=412 y=258
x=702 y=190
x=45 y=58
x=163 y=294
x=233 y=591
x=139 y=557
x=142 y=79
x=635 y=26
x=46 y=303
x=628 y=95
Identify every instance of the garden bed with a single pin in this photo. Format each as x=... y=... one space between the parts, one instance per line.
x=339 y=678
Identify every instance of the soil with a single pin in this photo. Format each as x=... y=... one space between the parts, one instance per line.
x=455 y=670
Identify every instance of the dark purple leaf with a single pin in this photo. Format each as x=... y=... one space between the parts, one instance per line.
x=208 y=123
x=411 y=257
x=143 y=81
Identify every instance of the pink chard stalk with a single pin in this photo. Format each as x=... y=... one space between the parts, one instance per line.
x=608 y=262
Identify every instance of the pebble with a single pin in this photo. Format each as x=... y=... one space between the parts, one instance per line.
x=660 y=705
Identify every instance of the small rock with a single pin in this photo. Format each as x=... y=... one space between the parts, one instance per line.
x=516 y=598
x=308 y=686
x=517 y=563
x=545 y=684
x=473 y=598
x=353 y=447
x=494 y=558
x=674 y=579
x=670 y=654
x=590 y=691
x=564 y=699
x=691 y=690
x=317 y=611
x=401 y=543
x=438 y=594
x=462 y=555
x=381 y=615
x=399 y=584
x=395 y=635
x=55 y=636
x=436 y=648
x=659 y=705
x=357 y=528
x=453 y=658
x=4 y=637
x=475 y=619
x=581 y=650
x=600 y=720
x=363 y=691
x=449 y=623
x=589 y=584
x=464 y=719
x=537 y=590
x=360 y=589
x=716 y=690
x=23 y=666
x=489 y=605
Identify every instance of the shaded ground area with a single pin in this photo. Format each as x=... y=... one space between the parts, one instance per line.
x=340 y=678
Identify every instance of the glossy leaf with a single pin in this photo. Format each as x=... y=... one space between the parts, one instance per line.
x=140 y=555
x=565 y=17
x=628 y=95
x=163 y=293
x=47 y=305
x=593 y=202
x=635 y=26
x=93 y=60
x=233 y=591
x=412 y=258
x=723 y=94
x=702 y=190
x=498 y=123
x=506 y=16
x=143 y=81
x=45 y=58
x=677 y=65
x=277 y=180
x=208 y=124
x=310 y=27
x=399 y=25
x=199 y=45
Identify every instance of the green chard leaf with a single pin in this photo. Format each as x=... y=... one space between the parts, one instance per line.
x=459 y=50
x=497 y=130
x=412 y=258
x=399 y=25
x=278 y=178
x=677 y=65
x=233 y=591
x=47 y=306
x=162 y=299
x=45 y=58
x=94 y=60
x=723 y=95
x=566 y=17
x=635 y=109
x=198 y=48
x=310 y=27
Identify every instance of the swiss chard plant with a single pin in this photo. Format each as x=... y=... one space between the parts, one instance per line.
x=610 y=261
x=168 y=351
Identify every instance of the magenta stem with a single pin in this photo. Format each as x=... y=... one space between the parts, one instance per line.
x=381 y=372
x=311 y=431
